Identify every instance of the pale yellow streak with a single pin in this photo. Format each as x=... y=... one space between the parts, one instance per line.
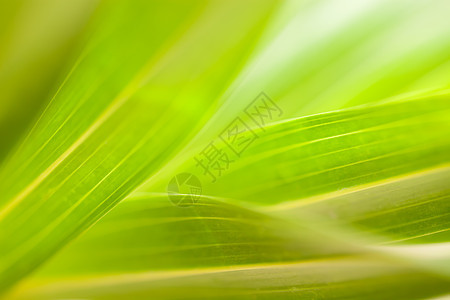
x=320 y=198
x=416 y=236
x=162 y=275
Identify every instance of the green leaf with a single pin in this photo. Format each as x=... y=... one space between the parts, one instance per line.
x=334 y=199
x=323 y=153
x=149 y=237
x=106 y=129
x=147 y=247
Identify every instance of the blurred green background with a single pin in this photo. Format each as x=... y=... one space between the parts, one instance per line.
x=343 y=194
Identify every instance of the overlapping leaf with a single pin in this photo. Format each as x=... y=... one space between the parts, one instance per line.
x=150 y=238
x=157 y=81
x=111 y=125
